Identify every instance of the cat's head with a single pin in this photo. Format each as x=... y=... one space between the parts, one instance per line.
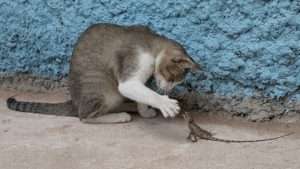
x=171 y=67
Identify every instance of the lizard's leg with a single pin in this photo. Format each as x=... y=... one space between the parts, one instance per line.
x=193 y=138
x=189 y=137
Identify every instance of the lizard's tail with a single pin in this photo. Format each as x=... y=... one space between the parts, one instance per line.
x=248 y=141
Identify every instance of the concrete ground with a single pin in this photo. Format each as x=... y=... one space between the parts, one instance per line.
x=29 y=141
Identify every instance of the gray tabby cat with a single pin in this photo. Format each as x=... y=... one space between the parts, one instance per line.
x=110 y=65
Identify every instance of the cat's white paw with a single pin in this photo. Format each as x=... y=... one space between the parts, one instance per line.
x=146 y=111
x=168 y=107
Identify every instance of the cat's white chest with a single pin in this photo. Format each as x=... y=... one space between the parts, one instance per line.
x=145 y=66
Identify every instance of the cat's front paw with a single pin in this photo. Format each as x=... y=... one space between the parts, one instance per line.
x=168 y=107
x=145 y=111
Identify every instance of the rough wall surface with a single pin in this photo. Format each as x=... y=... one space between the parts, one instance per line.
x=248 y=47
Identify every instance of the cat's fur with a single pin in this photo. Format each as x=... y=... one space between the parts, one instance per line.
x=111 y=63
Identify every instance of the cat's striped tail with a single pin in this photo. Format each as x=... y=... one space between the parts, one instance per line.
x=59 y=109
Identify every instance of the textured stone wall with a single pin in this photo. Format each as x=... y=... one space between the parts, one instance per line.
x=248 y=47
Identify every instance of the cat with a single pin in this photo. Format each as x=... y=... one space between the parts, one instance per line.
x=109 y=67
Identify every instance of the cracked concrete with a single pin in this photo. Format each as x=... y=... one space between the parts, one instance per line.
x=31 y=141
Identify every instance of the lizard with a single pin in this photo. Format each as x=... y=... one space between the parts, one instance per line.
x=196 y=132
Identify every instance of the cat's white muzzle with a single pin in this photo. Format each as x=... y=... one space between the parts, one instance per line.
x=163 y=84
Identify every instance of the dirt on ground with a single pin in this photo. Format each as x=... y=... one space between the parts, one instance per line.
x=32 y=141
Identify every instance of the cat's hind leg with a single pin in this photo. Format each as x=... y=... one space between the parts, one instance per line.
x=101 y=113
x=99 y=107
x=146 y=111
x=110 y=118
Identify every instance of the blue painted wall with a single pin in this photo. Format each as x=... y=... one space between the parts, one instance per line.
x=247 y=46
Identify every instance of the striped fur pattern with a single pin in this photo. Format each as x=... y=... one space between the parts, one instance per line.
x=64 y=109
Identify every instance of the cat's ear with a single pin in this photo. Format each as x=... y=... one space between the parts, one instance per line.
x=186 y=63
